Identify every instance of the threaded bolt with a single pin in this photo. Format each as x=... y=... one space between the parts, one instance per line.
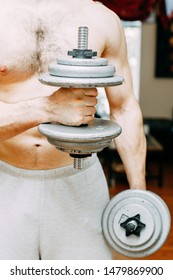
x=83 y=38
x=82 y=51
x=78 y=163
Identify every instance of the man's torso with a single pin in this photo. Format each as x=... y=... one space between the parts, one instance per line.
x=33 y=36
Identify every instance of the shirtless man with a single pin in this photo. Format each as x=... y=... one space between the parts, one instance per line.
x=48 y=210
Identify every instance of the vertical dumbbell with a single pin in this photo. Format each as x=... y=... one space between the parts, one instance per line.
x=81 y=68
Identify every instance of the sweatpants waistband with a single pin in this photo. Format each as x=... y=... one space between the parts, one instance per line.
x=48 y=173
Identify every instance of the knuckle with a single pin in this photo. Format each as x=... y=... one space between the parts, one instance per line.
x=94 y=110
x=95 y=101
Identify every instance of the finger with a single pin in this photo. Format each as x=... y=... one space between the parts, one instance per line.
x=88 y=119
x=89 y=111
x=90 y=92
x=90 y=101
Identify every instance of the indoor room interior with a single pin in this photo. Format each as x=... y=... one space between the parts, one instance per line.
x=149 y=35
x=54 y=191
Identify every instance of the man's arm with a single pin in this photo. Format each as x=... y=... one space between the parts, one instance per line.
x=125 y=110
x=65 y=106
x=18 y=117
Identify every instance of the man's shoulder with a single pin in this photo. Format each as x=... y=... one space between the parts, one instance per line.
x=103 y=14
x=108 y=22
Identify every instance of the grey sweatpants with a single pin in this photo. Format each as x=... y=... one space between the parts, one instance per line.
x=53 y=214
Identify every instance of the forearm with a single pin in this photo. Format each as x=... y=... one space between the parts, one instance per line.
x=131 y=145
x=65 y=106
x=18 y=117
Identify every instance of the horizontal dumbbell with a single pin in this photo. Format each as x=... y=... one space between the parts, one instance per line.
x=81 y=68
x=136 y=223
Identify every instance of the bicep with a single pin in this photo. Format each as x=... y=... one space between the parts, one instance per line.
x=116 y=53
x=118 y=96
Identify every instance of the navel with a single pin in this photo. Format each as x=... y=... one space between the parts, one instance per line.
x=37 y=145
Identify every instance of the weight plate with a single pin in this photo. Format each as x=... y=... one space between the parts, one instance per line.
x=154 y=215
x=95 y=61
x=148 y=234
x=83 y=139
x=81 y=71
x=47 y=79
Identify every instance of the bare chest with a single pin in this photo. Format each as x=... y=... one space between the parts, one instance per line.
x=31 y=40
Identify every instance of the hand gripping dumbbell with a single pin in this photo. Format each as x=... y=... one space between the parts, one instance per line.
x=136 y=223
x=81 y=69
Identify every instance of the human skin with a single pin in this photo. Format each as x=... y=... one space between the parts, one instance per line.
x=35 y=34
